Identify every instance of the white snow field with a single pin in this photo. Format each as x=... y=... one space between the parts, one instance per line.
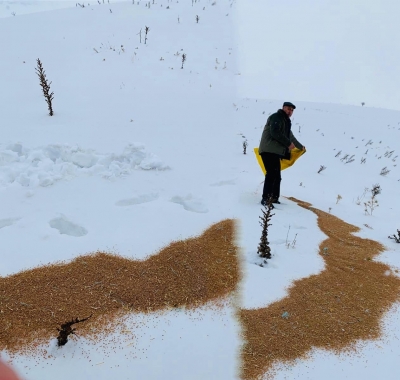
x=319 y=51
x=141 y=152
x=16 y=8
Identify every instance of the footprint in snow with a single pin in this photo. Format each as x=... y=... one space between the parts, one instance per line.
x=8 y=222
x=223 y=183
x=144 y=198
x=66 y=227
x=190 y=204
x=298 y=227
x=250 y=198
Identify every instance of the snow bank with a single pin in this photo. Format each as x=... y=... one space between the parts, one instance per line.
x=43 y=166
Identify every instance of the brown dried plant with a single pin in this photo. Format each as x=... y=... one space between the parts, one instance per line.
x=45 y=86
x=264 y=250
x=66 y=330
x=395 y=238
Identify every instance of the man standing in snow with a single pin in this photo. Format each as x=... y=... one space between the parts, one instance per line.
x=276 y=143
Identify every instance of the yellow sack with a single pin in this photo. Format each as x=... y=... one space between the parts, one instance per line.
x=294 y=155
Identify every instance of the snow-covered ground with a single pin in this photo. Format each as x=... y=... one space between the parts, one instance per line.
x=17 y=8
x=141 y=152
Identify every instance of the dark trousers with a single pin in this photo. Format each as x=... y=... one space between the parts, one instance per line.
x=272 y=183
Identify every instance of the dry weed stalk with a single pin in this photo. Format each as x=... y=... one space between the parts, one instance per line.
x=45 y=86
x=66 y=330
x=264 y=250
x=395 y=238
x=373 y=202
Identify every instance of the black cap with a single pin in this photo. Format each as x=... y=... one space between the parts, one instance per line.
x=288 y=104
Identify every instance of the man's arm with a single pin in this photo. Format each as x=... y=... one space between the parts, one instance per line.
x=296 y=143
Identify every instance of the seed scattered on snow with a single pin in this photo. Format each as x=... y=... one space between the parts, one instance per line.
x=35 y=302
x=332 y=310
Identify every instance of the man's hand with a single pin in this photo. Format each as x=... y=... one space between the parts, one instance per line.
x=291 y=146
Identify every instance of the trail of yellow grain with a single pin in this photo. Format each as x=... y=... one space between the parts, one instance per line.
x=33 y=303
x=331 y=310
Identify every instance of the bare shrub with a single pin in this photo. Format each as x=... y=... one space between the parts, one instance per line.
x=373 y=202
x=395 y=238
x=264 y=249
x=45 y=86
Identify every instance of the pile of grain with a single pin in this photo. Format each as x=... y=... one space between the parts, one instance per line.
x=35 y=302
x=331 y=310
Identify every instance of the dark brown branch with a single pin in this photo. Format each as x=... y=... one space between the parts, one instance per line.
x=264 y=249
x=395 y=238
x=45 y=86
x=66 y=330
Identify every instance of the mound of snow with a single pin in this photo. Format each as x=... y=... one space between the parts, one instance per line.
x=43 y=166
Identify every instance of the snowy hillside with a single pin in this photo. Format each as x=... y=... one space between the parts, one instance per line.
x=18 y=8
x=141 y=153
x=319 y=51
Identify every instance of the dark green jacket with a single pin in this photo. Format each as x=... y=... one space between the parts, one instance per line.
x=277 y=135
